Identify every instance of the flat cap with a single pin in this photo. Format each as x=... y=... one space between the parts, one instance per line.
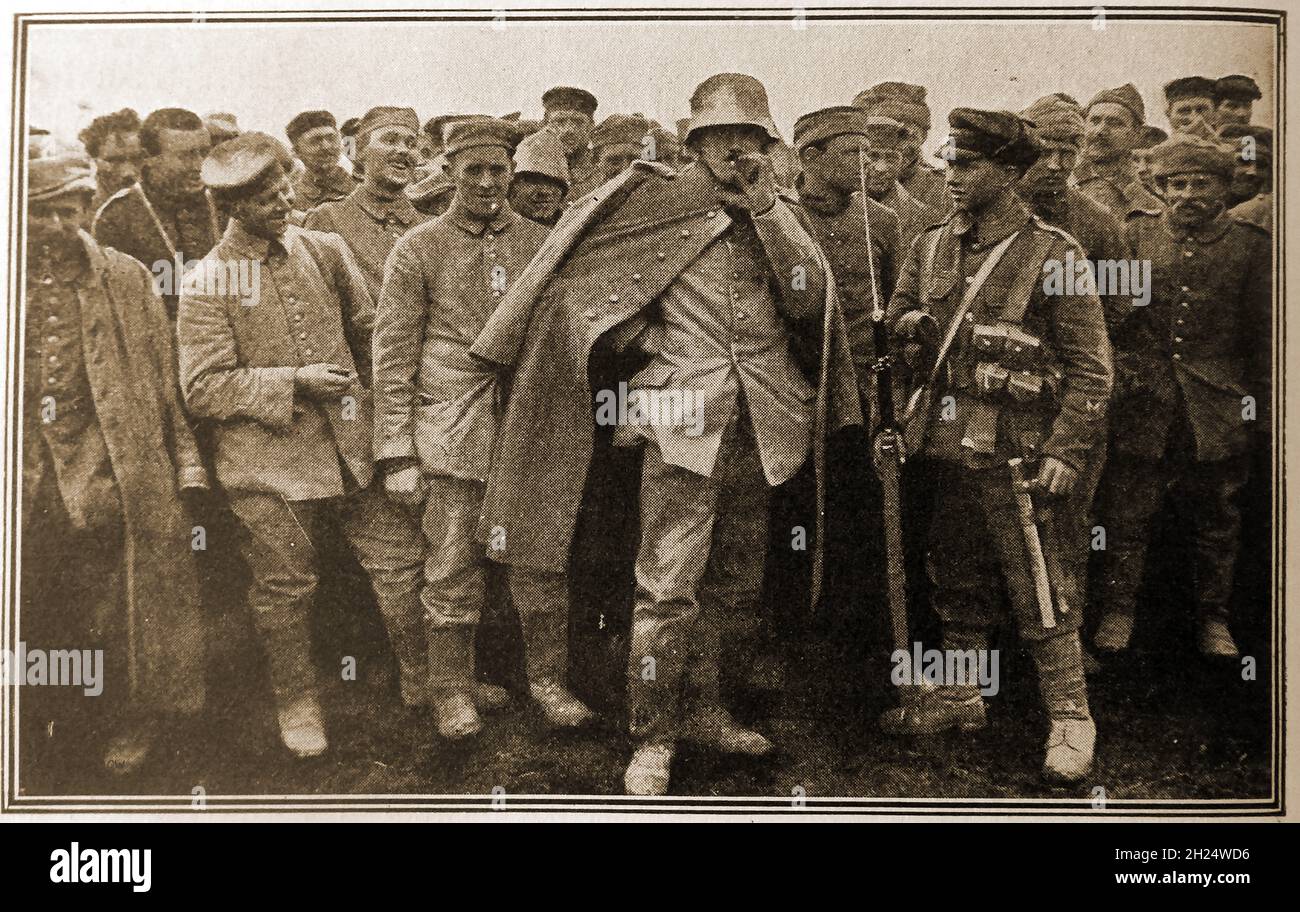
x=1236 y=86
x=620 y=129
x=1055 y=118
x=385 y=116
x=901 y=101
x=52 y=176
x=308 y=120
x=568 y=98
x=1126 y=96
x=542 y=153
x=1189 y=87
x=1184 y=152
x=243 y=160
x=481 y=131
x=828 y=123
x=349 y=126
x=997 y=135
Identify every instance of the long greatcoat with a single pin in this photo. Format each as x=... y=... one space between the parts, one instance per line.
x=131 y=365
x=609 y=258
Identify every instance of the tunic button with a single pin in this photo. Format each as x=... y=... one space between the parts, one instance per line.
x=1182 y=304
x=495 y=293
x=1187 y=253
x=686 y=232
x=52 y=339
x=613 y=299
x=740 y=315
x=636 y=277
x=1177 y=357
x=52 y=319
x=1185 y=288
x=54 y=359
x=1180 y=322
x=298 y=317
x=306 y=351
x=302 y=336
x=970 y=318
x=1178 y=338
x=47 y=280
x=712 y=212
x=591 y=315
x=660 y=254
x=970 y=279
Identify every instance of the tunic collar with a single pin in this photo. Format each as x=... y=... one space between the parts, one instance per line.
x=1208 y=233
x=994 y=223
x=475 y=226
x=398 y=207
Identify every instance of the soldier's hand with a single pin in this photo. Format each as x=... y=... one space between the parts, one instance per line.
x=406 y=486
x=323 y=381
x=757 y=180
x=1055 y=477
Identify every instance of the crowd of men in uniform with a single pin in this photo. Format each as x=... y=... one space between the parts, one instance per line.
x=413 y=369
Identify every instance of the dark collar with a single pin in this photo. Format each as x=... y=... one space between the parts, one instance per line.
x=1211 y=231
x=471 y=225
x=398 y=207
x=69 y=262
x=997 y=220
x=822 y=203
x=239 y=243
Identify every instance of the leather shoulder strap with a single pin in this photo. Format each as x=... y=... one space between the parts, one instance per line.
x=967 y=299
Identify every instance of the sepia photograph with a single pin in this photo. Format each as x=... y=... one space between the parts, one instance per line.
x=716 y=413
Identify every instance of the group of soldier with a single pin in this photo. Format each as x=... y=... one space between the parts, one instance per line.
x=412 y=366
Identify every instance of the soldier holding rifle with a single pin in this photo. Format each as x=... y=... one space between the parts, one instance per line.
x=1020 y=374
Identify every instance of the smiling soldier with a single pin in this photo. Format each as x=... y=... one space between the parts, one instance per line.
x=282 y=375
x=437 y=414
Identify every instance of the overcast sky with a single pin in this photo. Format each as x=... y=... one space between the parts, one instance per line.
x=267 y=73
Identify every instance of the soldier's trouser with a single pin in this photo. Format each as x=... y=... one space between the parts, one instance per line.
x=1132 y=492
x=455 y=581
x=282 y=554
x=976 y=546
x=74 y=598
x=542 y=599
x=699 y=570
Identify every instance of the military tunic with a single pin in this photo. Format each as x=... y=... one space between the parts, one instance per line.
x=1193 y=392
x=975 y=535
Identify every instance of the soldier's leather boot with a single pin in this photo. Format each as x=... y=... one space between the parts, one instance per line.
x=301 y=727
x=561 y=708
x=451 y=671
x=714 y=727
x=457 y=716
x=1215 y=640
x=927 y=709
x=1070 y=744
x=648 y=772
x=1114 y=632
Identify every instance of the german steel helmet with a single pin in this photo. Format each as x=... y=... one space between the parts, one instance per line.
x=729 y=99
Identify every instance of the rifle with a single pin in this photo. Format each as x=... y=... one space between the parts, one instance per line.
x=888 y=454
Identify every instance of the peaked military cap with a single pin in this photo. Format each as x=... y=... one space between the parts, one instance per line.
x=997 y=135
